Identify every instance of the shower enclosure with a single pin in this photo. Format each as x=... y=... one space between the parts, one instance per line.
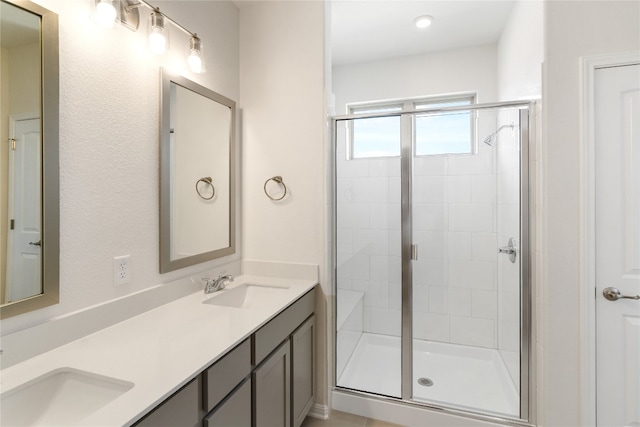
x=431 y=258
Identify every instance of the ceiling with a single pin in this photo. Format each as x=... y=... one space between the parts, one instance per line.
x=368 y=30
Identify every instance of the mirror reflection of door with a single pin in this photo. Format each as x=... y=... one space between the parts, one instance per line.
x=24 y=240
x=20 y=161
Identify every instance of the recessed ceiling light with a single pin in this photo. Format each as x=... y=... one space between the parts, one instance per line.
x=423 y=21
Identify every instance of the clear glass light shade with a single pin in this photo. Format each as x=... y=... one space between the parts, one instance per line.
x=195 y=55
x=106 y=12
x=158 y=34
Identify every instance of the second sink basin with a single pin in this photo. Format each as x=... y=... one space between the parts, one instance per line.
x=247 y=295
x=62 y=397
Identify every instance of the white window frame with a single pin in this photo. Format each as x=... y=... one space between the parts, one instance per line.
x=404 y=105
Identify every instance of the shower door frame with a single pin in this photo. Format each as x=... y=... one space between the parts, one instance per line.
x=526 y=109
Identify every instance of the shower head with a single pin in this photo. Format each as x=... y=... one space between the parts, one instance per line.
x=489 y=139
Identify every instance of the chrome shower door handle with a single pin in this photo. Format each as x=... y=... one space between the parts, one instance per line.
x=510 y=250
x=613 y=294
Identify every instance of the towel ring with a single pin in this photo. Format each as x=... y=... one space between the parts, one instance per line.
x=277 y=180
x=206 y=180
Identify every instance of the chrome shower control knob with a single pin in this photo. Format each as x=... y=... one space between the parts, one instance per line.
x=510 y=250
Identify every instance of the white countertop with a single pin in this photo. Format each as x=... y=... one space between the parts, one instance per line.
x=160 y=350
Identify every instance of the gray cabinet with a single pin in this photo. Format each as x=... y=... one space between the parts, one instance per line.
x=180 y=410
x=303 y=385
x=284 y=384
x=234 y=411
x=272 y=389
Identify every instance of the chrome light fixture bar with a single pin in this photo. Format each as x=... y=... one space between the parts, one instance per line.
x=108 y=12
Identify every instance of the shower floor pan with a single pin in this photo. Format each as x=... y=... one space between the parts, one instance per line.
x=446 y=374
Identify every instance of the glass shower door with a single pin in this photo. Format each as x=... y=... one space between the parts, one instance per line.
x=466 y=300
x=368 y=246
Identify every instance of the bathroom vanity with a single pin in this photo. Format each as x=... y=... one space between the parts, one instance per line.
x=243 y=356
x=269 y=378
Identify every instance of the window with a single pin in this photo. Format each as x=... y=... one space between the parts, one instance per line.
x=376 y=137
x=444 y=133
x=435 y=133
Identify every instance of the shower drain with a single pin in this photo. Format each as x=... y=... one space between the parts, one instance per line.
x=425 y=382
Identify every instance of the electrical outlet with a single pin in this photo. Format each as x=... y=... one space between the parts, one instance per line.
x=122 y=270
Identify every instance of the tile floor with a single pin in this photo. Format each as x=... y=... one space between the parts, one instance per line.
x=342 y=419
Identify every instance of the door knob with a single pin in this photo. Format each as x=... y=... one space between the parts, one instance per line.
x=38 y=243
x=613 y=294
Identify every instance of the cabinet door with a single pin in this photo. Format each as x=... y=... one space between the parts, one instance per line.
x=234 y=411
x=303 y=385
x=273 y=390
x=180 y=410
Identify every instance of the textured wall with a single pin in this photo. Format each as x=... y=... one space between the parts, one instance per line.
x=109 y=146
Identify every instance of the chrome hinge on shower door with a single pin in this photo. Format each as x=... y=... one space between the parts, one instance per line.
x=414 y=252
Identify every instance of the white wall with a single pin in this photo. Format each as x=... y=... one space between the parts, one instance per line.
x=419 y=75
x=282 y=99
x=283 y=133
x=109 y=147
x=520 y=52
x=572 y=29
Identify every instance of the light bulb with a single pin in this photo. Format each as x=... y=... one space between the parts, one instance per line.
x=157 y=34
x=157 y=41
x=195 y=62
x=195 y=55
x=106 y=13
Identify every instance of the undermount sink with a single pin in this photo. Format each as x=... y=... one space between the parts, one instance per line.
x=62 y=397
x=248 y=295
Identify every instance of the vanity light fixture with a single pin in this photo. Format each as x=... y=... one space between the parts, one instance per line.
x=423 y=21
x=126 y=12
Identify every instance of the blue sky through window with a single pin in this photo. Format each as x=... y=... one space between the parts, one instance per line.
x=436 y=133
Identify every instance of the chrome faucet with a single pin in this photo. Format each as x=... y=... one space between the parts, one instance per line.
x=214 y=285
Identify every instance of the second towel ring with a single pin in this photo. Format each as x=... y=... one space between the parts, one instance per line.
x=206 y=180
x=277 y=180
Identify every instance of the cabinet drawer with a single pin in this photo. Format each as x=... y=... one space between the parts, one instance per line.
x=234 y=411
x=267 y=338
x=224 y=375
x=180 y=410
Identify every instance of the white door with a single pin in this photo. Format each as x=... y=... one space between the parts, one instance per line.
x=24 y=237
x=617 y=212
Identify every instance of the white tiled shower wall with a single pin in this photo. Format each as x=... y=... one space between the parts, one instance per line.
x=455 y=215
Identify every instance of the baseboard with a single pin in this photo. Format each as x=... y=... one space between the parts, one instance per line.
x=318 y=411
